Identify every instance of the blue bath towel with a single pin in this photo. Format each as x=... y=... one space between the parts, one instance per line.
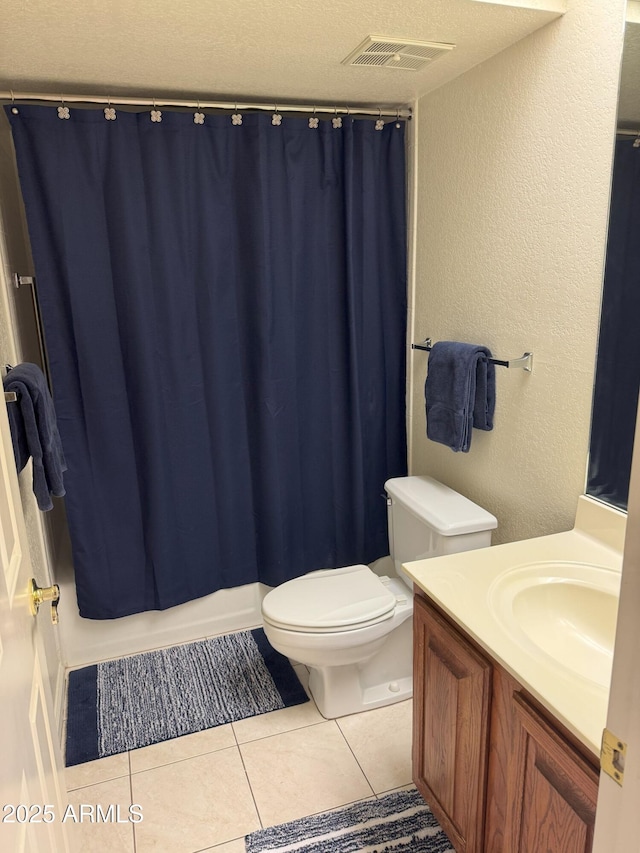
x=34 y=431
x=460 y=393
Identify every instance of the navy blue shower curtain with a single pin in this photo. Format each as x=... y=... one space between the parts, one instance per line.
x=615 y=399
x=224 y=309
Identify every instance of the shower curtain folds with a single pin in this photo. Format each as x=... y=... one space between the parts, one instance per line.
x=224 y=309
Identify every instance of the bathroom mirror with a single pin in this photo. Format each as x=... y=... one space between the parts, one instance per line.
x=617 y=380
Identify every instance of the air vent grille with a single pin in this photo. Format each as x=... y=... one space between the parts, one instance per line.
x=371 y=59
x=428 y=51
x=385 y=47
x=408 y=54
x=411 y=63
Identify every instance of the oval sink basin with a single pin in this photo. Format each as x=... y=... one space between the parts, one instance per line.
x=564 y=611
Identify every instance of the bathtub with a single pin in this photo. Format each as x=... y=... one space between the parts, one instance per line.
x=87 y=641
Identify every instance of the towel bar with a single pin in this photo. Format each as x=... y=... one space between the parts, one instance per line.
x=525 y=362
x=10 y=396
x=29 y=281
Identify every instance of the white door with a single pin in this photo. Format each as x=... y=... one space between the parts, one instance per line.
x=618 y=815
x=32 y=790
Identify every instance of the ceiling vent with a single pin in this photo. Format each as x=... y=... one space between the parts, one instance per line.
x=407 y=54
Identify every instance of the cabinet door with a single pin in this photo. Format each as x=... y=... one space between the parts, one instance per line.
x=554 y=790
x=452 y=684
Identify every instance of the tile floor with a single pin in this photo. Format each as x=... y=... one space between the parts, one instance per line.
x=206 y=791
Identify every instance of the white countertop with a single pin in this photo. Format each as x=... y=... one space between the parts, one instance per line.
x=460 y=585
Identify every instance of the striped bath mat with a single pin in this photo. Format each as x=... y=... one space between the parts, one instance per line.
x=400 y=822
x=124 y=704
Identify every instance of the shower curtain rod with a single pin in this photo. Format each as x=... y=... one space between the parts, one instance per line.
x=155 y=103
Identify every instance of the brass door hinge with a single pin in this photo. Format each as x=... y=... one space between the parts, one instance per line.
x=612 y=756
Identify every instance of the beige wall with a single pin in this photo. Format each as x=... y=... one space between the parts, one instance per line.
x=513 y=173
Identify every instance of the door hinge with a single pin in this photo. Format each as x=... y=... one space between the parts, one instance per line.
x=612 y=756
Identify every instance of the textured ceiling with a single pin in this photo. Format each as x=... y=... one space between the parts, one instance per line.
x=289 y=50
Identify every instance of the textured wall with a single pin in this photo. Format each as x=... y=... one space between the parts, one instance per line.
x=513 y=173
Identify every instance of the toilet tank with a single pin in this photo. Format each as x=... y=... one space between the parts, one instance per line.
x=428 y=519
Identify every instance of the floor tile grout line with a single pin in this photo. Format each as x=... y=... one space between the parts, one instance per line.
x=409 y=787
x=214 y=847
x=324 y=811
x=99 y=782
x=133 y=772
x=133 y=826
x=355 y=757
x=284 y=731
x=246 y=773
x=344 y=805
x=217 y=749
x=180 y=760
x=372 y=796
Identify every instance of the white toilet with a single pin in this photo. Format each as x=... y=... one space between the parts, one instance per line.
x=352 y=628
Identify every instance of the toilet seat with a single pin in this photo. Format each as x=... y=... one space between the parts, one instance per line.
x=329 y=601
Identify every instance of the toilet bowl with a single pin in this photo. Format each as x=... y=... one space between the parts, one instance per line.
x=338 y=623
x=353 y=628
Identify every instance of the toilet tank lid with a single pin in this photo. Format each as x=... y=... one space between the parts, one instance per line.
x=445 y=510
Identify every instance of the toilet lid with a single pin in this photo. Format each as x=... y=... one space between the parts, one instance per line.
x=330 y=599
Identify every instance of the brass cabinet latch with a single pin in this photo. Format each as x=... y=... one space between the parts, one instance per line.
x=37 y=595
x=612 y=756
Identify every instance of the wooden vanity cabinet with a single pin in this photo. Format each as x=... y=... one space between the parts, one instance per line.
x=452 y=692
x=556 y=790
x=498 y=772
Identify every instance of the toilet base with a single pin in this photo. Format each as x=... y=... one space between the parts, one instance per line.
x=383 y=679
x=346 y=696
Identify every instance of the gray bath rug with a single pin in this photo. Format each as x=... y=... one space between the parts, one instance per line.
x=135 y=701
x=400 y=822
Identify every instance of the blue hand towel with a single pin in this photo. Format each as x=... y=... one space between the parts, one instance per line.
x=460 y=393
x=34 y=431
